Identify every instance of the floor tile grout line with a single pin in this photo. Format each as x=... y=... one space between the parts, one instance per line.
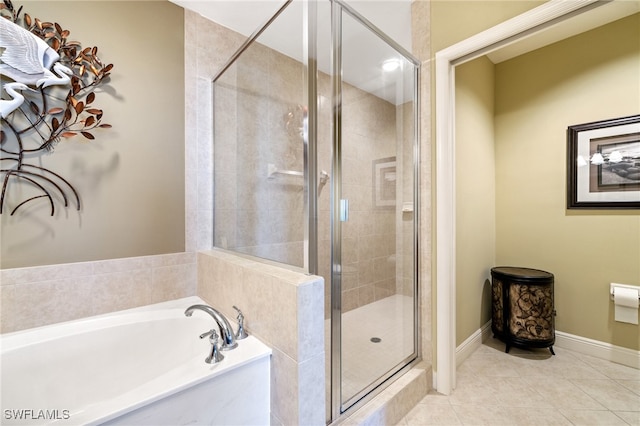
x=609 y=372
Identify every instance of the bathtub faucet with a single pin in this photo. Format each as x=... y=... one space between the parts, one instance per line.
x=226 y=332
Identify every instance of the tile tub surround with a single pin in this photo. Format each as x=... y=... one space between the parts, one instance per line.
x=43 y=295
x=284 y=309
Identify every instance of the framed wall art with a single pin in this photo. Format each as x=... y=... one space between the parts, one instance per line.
x=603 y=164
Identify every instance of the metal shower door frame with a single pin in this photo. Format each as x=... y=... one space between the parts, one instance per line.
x=338 y=7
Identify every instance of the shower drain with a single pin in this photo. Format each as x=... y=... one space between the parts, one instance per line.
x=376 y=339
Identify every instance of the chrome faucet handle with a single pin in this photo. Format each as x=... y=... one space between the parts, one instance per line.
x=241 y=333
x=215 y=355
x=208 y=333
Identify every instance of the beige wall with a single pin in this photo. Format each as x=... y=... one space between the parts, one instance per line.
x=131 y=177
x=590 y=77
x=455 y=20
x=452 y=21
x=586 y=78
x=37 y=296
x=475 y=194
x=533 y=228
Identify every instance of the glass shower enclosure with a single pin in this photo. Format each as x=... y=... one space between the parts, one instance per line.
x=315 y=167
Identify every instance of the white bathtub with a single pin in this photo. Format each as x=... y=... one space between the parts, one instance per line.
x=135 y=367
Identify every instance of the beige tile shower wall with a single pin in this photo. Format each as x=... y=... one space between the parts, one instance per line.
x=207 y=48
x=325 y=159
x=370 y=269
x=258 y=117
x=421 y=44
x=369 y=237
x=284 y=309
x=405 y=270
x=264 y=217
x=33 y=297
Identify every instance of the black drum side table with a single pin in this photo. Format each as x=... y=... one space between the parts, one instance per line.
x=522 y=307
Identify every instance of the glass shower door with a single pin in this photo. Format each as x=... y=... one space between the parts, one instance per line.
x=374 y=280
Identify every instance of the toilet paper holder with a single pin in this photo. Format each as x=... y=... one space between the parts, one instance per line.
x=612 y=289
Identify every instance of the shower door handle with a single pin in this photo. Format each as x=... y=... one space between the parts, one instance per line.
x=344 y=210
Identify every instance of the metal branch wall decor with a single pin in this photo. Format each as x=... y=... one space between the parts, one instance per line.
x=49 y=87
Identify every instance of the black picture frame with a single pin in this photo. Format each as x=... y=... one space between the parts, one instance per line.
x=603 y=164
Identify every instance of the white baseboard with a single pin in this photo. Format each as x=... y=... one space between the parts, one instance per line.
x=598 y=349
x=472 y=343
x=583 y=345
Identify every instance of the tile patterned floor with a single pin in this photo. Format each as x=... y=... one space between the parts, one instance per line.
x=531 y=387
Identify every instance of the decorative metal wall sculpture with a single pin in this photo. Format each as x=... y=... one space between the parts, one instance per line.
x=50 y=82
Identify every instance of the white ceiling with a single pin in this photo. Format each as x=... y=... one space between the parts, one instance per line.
x=245 y=16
